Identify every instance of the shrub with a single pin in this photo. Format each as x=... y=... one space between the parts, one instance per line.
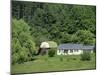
x=85 y=56
x=15 y=58
x=74 y=58
x=51 y=53
x=61 y=58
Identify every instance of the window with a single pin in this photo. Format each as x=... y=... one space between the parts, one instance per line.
x=65 y=51
x=71 y=51
x=76 y=50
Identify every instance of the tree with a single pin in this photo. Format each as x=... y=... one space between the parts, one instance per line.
x=23 y=45
x=85 y=37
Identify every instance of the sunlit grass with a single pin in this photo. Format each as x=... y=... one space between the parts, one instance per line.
x=57 y=63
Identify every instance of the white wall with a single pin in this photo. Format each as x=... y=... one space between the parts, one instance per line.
x=61 y=52
x=76 y=53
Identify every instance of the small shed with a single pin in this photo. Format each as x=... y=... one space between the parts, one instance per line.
x=45 y=46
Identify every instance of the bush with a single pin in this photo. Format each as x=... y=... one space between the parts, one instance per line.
x=61 y=58
x=74 y=58
x=15 y=58
x=51 y=53
x=85 y=56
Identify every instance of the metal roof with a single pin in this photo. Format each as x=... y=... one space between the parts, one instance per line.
x=75 y=46
x=88 y=47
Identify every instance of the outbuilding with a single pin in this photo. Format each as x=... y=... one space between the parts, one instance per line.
x=74 y=49
x=45 y=46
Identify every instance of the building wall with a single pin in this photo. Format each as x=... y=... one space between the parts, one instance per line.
x=91 y=51
x=61 y=52
x=75 y=52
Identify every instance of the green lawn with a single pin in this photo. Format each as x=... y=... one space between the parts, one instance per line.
x=57 y=63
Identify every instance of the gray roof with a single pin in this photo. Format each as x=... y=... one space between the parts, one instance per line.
x=88 y=47
x=75 y=46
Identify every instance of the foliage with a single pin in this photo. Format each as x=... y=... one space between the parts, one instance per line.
x=61 y=58
x=15 y=58
x=85 y=36
x=51 y=52
x=85 y=56
x=52 y=44
x=23 y=45
x=57 y=22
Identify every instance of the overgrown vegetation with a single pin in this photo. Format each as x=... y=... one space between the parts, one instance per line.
x=51 y=52
x=85 y=56
x=23 y=45
x=61 y=58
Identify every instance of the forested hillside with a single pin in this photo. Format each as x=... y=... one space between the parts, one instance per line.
x=58 y=22
x=62 y=23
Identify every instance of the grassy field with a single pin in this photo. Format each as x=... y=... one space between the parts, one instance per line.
x=57 y=63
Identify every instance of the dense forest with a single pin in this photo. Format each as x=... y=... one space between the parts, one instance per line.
x=34 y=22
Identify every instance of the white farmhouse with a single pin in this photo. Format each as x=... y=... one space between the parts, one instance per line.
x=74 y=49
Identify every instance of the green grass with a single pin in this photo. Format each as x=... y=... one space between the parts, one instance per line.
x=57 y=63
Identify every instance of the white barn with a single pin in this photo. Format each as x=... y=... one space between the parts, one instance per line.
x=74 y=49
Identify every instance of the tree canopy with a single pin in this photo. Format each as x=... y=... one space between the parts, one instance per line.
x=57 y=22
x=23 y=45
